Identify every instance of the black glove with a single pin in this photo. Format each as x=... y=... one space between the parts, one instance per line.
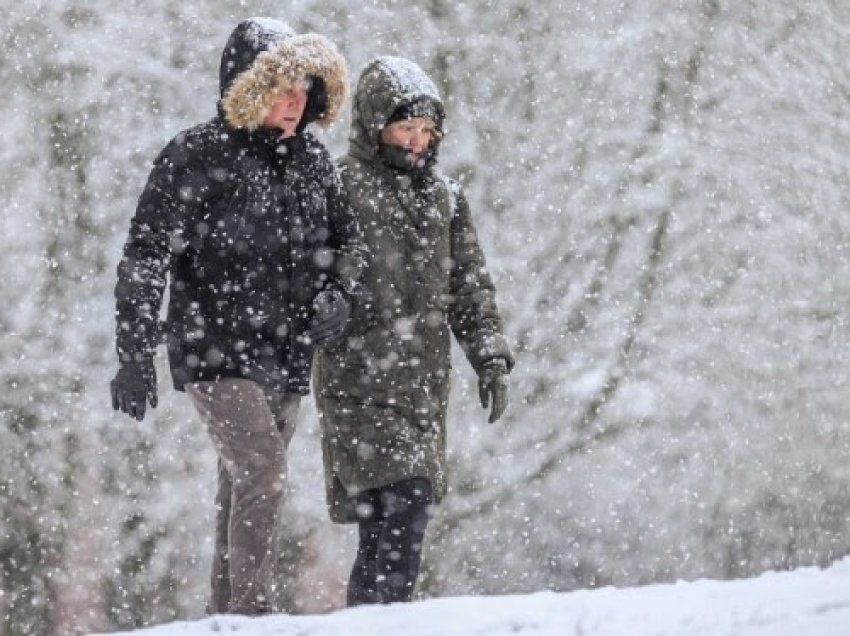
x=133 y=387
x=331 y=311
x=492 y=384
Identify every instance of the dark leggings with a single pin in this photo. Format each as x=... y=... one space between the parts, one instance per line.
x=392 y=526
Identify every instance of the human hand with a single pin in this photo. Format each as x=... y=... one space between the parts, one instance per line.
x=493 y=388
x=133 y=387
x=331 y=311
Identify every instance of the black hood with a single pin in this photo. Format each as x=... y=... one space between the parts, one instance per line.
x=250 y=38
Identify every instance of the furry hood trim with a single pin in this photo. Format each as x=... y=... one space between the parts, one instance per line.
x=252 y=94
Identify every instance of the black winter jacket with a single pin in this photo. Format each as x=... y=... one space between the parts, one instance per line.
x=250 y=227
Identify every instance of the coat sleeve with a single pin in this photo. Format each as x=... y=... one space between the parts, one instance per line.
x=350 y=253
x=156 y=234
x=473 y=315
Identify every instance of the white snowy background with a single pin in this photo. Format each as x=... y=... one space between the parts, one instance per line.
x=661 y=187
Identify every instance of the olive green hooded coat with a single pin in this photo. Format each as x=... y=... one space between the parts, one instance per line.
x=382 y=390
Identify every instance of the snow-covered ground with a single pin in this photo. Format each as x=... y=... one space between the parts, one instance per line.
x=805 y=602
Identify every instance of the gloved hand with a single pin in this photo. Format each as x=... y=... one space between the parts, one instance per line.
x=133 y=387
x=331 y=311
x=493 y=386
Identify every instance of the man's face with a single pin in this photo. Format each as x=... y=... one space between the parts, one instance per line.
x=287 y=111
x=414 y=134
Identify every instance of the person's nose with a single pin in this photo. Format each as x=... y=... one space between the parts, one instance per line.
x=292 y=102
x=418 y=142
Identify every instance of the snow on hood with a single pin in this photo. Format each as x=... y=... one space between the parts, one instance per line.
x=386 y=83
x=250 y=38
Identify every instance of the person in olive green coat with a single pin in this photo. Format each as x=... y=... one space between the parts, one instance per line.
x=382 y=390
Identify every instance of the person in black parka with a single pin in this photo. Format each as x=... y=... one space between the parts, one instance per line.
x=245 y=219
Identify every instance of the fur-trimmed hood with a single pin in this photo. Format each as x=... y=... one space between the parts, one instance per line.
x=386 y=84
x=270 y=61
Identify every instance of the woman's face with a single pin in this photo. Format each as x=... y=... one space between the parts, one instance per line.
x=414 y=134
x=287 y=111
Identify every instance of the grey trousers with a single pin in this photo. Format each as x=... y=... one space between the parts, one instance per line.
x=251 y=430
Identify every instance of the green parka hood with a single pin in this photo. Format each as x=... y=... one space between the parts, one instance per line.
x=386 y=84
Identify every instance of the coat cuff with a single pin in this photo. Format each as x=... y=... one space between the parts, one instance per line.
x=487 y=349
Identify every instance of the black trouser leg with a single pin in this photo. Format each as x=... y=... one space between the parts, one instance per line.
x=402 y=535
x=391 y=538
x=362 y=587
